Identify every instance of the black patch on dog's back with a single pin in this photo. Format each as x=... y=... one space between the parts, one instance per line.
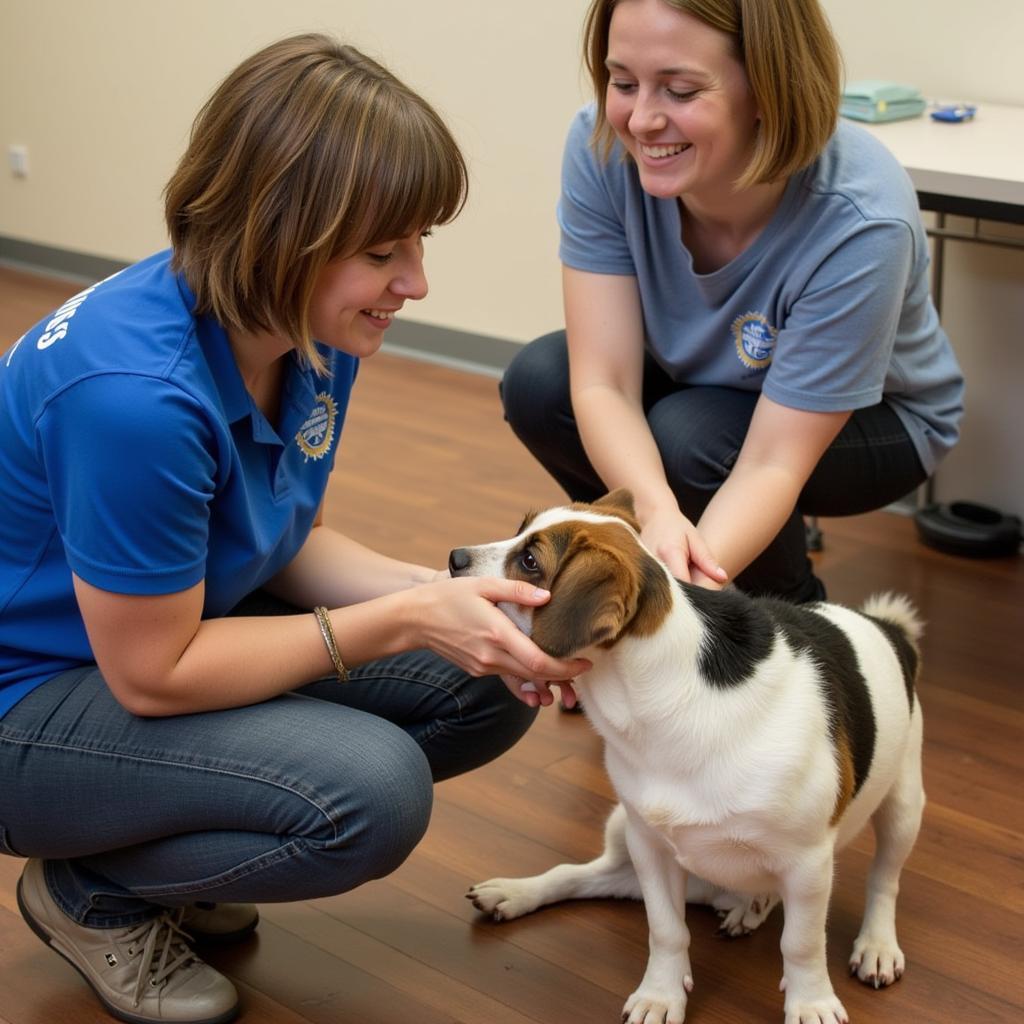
x=906 y=652
x=740 y=632
x=738 y=635
x=843 y=686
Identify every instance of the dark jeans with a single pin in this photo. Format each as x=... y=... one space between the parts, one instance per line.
x=309 y=794
x=699 y=432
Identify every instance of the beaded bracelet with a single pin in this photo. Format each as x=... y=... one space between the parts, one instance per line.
x=327 y=632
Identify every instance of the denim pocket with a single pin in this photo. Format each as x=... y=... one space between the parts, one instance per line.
x=5 y=846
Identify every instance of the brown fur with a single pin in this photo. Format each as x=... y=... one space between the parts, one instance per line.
x=616 y=503
x=603 y=586
x=844 y=764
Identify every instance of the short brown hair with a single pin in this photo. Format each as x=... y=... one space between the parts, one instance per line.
x=792 y=62
x=308 y=151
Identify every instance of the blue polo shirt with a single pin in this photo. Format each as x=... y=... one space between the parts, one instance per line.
x=132 y=454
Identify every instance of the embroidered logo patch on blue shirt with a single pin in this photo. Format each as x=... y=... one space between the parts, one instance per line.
x=316 y=435
x=755 y=340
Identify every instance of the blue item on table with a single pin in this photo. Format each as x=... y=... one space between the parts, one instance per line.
x=953 y=112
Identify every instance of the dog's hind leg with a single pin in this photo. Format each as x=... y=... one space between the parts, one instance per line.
x=877 y=958
x=609 y=876
x=740 y=912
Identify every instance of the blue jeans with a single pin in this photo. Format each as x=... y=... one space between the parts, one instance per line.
x=699 y=432
x=306 y=795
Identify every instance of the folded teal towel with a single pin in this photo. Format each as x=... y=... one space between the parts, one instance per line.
x=875 y=100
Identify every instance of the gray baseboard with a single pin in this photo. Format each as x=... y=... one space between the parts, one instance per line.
x=462 y=350
x=64 y=263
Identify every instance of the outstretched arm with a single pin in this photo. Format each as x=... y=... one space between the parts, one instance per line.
x=160 y=657
x=604 y=325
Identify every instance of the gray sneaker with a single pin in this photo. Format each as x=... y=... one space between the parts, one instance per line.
x=143 y=974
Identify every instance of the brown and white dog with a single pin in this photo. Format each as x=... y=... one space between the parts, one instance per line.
x=747 y=740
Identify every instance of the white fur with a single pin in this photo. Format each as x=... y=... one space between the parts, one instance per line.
x=727 y=797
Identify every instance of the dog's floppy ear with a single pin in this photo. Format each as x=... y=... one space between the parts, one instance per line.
x=593 y=597
x=619 y=503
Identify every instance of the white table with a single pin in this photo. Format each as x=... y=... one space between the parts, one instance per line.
x=969 y=169
x=972 y=169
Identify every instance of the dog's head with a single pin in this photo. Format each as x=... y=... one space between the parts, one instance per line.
x=604 y=584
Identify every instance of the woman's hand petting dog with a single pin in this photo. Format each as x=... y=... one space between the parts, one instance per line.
x=460 y=621
x=676 y=541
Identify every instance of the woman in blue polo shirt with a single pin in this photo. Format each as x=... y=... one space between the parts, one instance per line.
x=167 y=439
x=750 y=335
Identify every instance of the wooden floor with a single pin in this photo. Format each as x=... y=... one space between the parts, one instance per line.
x=426 y=464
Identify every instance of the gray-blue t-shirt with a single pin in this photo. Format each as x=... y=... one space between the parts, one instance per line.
x=829 y=309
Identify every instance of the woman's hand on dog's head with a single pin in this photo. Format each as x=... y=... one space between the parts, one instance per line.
x=459 y=620
x=677 y=542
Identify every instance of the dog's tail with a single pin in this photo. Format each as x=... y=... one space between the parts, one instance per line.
x=897 y=618
x=897 y=610
x=891 y=610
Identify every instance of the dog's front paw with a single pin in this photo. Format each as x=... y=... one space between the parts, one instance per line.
x=652 y=1006
x=505 y=898
x=824 y=1010
x=877 y=961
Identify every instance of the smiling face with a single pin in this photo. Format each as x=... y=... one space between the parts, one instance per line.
x=355 y=299
x=679 y=100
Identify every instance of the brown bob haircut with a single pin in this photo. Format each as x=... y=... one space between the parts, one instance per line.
x=792 y=63
x=307 y=152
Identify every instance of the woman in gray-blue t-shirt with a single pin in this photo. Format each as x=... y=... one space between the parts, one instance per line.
x=750 y=336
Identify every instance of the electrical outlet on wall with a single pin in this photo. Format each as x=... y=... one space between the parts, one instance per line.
x=17 y=159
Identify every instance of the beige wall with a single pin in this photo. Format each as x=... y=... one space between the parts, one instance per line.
x=948 y=48
x=103 y=92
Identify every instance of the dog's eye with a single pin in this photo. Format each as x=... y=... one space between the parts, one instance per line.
x=528 y=562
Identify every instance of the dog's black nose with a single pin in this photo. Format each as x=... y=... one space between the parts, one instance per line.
x=458 y=561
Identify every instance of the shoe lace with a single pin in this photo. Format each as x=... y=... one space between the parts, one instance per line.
x=164 y=949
